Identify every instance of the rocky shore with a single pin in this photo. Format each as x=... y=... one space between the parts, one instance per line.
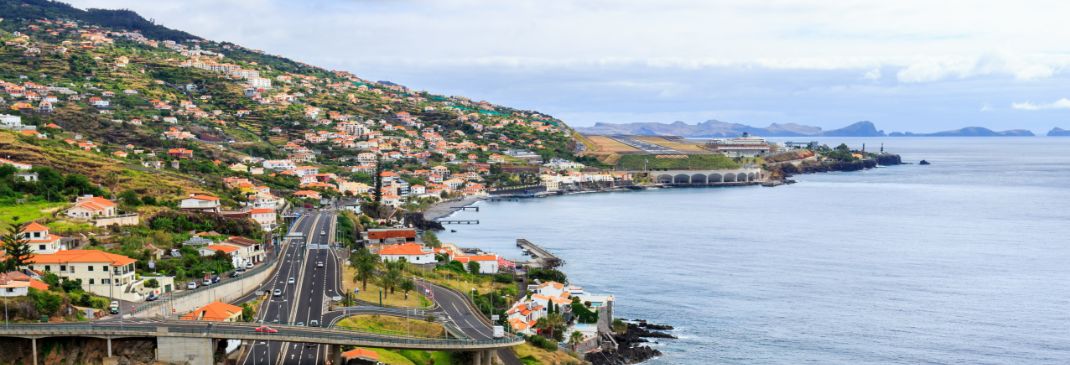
x=630 y=345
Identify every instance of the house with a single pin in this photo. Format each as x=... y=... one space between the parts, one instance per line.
x=488 y=264
x=101 y=273
x=17 y=165
x=360 y=356
x=216 y=312
x=249 y=250
x=211 y=250
x=263 y=216
x=26 y=176
x=412 y=252
x=8 y=121
x=17 y=284
x=180 y=153
x=389 y=235
x=307 y=194
x=41 y=241
x=89 y=207
x=525 y=312
x=200 y=202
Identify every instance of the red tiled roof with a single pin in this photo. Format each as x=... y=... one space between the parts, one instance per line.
x=361 y=353
x=81 y=256
x=214 y=311
x=391 y=233
x=409 y=249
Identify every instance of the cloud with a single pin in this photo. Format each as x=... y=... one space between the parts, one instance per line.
x=1062 y=103
x=874 y=74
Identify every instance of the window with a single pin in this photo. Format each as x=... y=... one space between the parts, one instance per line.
x=48 y=268
x=40 y=247
x=90 y=267
x=104 y=268
x=62 y=268
x=90 y=281
x=105 y=281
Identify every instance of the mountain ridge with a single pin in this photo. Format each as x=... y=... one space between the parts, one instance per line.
x=719 y=129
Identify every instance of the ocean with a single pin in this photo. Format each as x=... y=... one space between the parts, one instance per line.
x=965 y=261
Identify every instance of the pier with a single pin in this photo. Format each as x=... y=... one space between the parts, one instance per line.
x=542 y=257
x=458 y=221
x=466 y=207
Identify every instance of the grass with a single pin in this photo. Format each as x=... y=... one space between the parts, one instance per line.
x=482 y=284
x=65 y=226
x=610 y=145
x=676 y=162
x=371 y=295
x=391 y=325
x=413 y=357
x=21 y=213
x=676 y=144
x=533 y=355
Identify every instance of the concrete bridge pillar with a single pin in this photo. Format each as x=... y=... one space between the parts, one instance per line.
x=183 y=350
x=33 y=346
x=334 y=353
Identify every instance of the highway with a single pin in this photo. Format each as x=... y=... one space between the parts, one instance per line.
x=466 y=317
x=317 y=282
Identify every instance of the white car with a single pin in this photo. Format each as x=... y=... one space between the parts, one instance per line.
x=191 y=285
x=290 y=280
x=319 y=263
x=277 y=292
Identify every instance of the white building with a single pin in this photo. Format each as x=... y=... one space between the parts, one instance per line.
x=41 y=241
x=101 y=273
x=204 y=203
x=488 y=264
x=265 y=217
x=411 y=252
x=10 y=121
x=89 y=207
x=745 y=146
x=278 y=164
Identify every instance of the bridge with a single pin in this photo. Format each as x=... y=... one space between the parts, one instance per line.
x=744 y=176
x=193 y=342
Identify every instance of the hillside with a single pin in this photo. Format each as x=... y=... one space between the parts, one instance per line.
x=118 y=88
x=968 y=132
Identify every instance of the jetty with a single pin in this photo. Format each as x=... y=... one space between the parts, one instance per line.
x=540 y=256
x=458 y=221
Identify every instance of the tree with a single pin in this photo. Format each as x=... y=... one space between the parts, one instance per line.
x=406 y=286
x=364 y=262
x=16 y=248
x=575 y=339
x=431 y=239
x=552 y=323
x=247 y=312
x=473 y=267
x=392 y=278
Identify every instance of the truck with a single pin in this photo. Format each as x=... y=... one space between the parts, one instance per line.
x=499 y=331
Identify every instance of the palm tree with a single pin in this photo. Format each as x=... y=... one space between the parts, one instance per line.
x=364 y=262
x=550 y=323
x=575 y=339
x=391 y=278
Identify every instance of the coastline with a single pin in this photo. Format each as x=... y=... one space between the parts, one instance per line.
x=446 y=208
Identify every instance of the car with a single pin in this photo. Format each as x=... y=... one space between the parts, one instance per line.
x=235 y=274
x=319 y=263
x=314 y=323
x=215 y=279
x=248 y=265
x=152 y=297
x=266 y=329
x=207 y=281
x=299 y=324
x=323 y=233
x=277 y=292
x=191 y=285
x=114 y=307
x=291 y=280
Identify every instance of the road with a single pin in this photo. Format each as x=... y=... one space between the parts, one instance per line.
x=466 y=318
x=317 y=283
x=285 y=307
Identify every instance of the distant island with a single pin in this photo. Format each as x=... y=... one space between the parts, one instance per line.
x=719 y=129
x=1059 y=132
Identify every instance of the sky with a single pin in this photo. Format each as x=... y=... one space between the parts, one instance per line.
x=904 y=65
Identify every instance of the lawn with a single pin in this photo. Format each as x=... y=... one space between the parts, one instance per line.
x=482 y=284
x=393 y=326
x=25 y=212
x=371 y=295
x=676 y=162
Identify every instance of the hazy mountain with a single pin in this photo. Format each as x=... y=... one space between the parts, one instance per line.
x=859 y=129
x=1058 y=132
x=716 y=128
x=968 y=132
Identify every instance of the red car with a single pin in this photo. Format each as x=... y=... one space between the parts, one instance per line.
x=266 y=329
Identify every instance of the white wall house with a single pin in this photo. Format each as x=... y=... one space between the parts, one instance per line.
x=10 y=121
x=411 y=252
x=89 y=207
x=41 y=241
x=200 y=202
x=101 y=273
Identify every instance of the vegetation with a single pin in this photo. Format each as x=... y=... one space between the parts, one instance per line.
x=640 y=162
x=17 y=251
x=393 y=326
